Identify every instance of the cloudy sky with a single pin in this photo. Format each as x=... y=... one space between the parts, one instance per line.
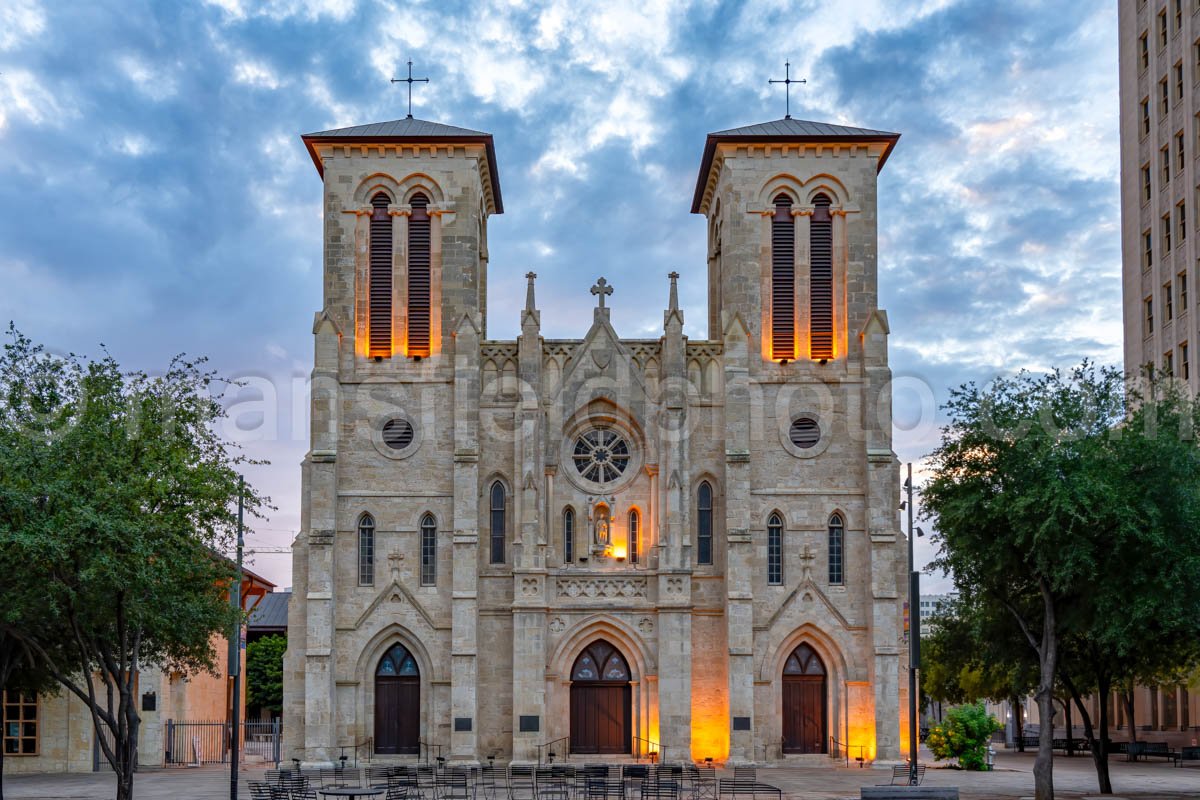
x=155 y=195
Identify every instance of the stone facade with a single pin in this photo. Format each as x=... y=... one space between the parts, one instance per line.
x=499 y=446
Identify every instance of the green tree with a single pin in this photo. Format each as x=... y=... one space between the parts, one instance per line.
x=963 y=735
x=1074 y=511
x=264 y=672
x=117 y=496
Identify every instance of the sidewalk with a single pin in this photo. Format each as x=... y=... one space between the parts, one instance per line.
x=1074 y=778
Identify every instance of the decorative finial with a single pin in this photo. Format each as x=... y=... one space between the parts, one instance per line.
x=410 y=80
x=529 y=304
x=787 y=86
x=673 y=304
x=602 y=289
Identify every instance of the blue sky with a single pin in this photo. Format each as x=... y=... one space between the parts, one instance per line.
x=155 y=195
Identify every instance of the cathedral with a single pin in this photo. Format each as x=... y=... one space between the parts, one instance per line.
x=601 y=545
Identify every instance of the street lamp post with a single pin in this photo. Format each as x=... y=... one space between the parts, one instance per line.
x=914 y=634
x=235 y=652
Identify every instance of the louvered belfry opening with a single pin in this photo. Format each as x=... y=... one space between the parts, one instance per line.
x=820 y=284
x=379 y=330
x=783 y=281
x=418 y=276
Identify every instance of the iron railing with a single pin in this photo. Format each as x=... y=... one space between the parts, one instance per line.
x=428 y=750
x=554 y=748
x=647 y=749
x=842 y=750
x=193 y=743
x=366 y=745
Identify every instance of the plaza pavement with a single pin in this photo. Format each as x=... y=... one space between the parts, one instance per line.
x=1074 y=779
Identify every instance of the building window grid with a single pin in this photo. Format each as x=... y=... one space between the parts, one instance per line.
x=1144 y=51
x=635 y=536
x=837 y=533
x=1149 y=306
x=1196 y=58
x=1168 y=364
x=1178 y=81
x=1145 y=116
x=1181 y=282
x=1164 y=165
x=704 y=523
x=1178 y=15
x=569 y=535
x=497 y=507
x=775 y=550
x=1179 y=151
x=1164 y=98
x=1166 y=233
x=1168 y=303
x=1147 y=250
x=1147 y=192
x=1181 y=220
x=1162 y=28
x=20 y=723
x=366 y=550
x=428 y=550
x=1185 y=366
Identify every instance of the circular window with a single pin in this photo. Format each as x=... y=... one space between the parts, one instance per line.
x=804 y=433
x=398 y=434
x=601 y=455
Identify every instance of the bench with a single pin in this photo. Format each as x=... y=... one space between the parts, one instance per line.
x=1187 y=754
x=900 y=775
x=745 y=782
x=1146 y=749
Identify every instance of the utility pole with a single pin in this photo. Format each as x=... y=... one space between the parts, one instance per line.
x=914 y=635
x=235 y=651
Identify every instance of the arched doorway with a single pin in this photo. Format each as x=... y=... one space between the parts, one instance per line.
x=601 y=721
x=397 y=702
x=805 y=718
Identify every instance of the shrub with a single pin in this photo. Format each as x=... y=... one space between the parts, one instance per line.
x=963 y=735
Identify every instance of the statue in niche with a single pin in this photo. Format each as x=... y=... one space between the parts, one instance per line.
x=601 y=518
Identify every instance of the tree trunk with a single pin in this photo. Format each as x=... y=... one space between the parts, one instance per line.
x=1127 y=696
x=1043 y=767
x=1100 y=748
x=1018 y=710
x=1070 y=729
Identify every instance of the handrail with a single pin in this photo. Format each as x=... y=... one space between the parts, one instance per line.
x=835 y=747
x=653 y=748
x=368 y=743
x=566 y=749
x=426 y=748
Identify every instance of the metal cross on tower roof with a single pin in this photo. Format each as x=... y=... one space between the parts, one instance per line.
x=787 y=87
x=410 y=80
x=602 y=289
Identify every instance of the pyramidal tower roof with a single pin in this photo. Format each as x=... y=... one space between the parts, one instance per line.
x=783 y=131
x=406 y=131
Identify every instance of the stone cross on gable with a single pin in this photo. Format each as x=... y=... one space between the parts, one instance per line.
x=808 y=556
x=394 y=563
x=602 y=289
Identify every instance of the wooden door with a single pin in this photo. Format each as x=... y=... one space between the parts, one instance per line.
x=397 y=715
x=600 y=718
x=804 y=715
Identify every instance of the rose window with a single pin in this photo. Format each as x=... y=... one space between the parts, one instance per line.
x=601 y=455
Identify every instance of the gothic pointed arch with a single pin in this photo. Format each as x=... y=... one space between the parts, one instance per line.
x=497 y=521
x=366 y=549
x=820 y=279
x=379 y=281
x=783 y=279
x=775 y=526
x=836 y=544
x=420 y=255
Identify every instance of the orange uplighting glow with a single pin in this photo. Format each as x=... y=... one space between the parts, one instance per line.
x=710 y=738
x=861 y=733
x=618 y=551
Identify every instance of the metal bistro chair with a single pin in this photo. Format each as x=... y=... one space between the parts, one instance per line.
x=550 y=784
x=487 y=781
x=703 y=782
x=378 y=777
x=338 y=778
x=520 y=783
x=396 y=790
x=453 y=784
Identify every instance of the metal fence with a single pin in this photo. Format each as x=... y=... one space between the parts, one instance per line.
x=191 y=743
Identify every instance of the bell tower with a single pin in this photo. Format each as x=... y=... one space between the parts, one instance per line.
x=791 y=207
x=406 y=205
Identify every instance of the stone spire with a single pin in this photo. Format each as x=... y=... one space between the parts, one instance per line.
x=673 y=310
x=530 y=317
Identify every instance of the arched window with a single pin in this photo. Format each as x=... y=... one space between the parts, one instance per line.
x=775 y=549
x=379 y=289
x=635 y=535
x=837 y=532
x=820 y=279
x=704 y=523
x=569 y=535
x=428 y=550
x=418 y=276
x=497 y=520
x=783 y=280
x=366 y=550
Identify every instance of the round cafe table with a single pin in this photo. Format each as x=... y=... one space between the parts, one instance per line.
x=353 y=791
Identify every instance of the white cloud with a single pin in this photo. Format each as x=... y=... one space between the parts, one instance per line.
x=155 y=81
x=20 y=20
x=22 y=96
x=279 y=10
x=257 y=74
